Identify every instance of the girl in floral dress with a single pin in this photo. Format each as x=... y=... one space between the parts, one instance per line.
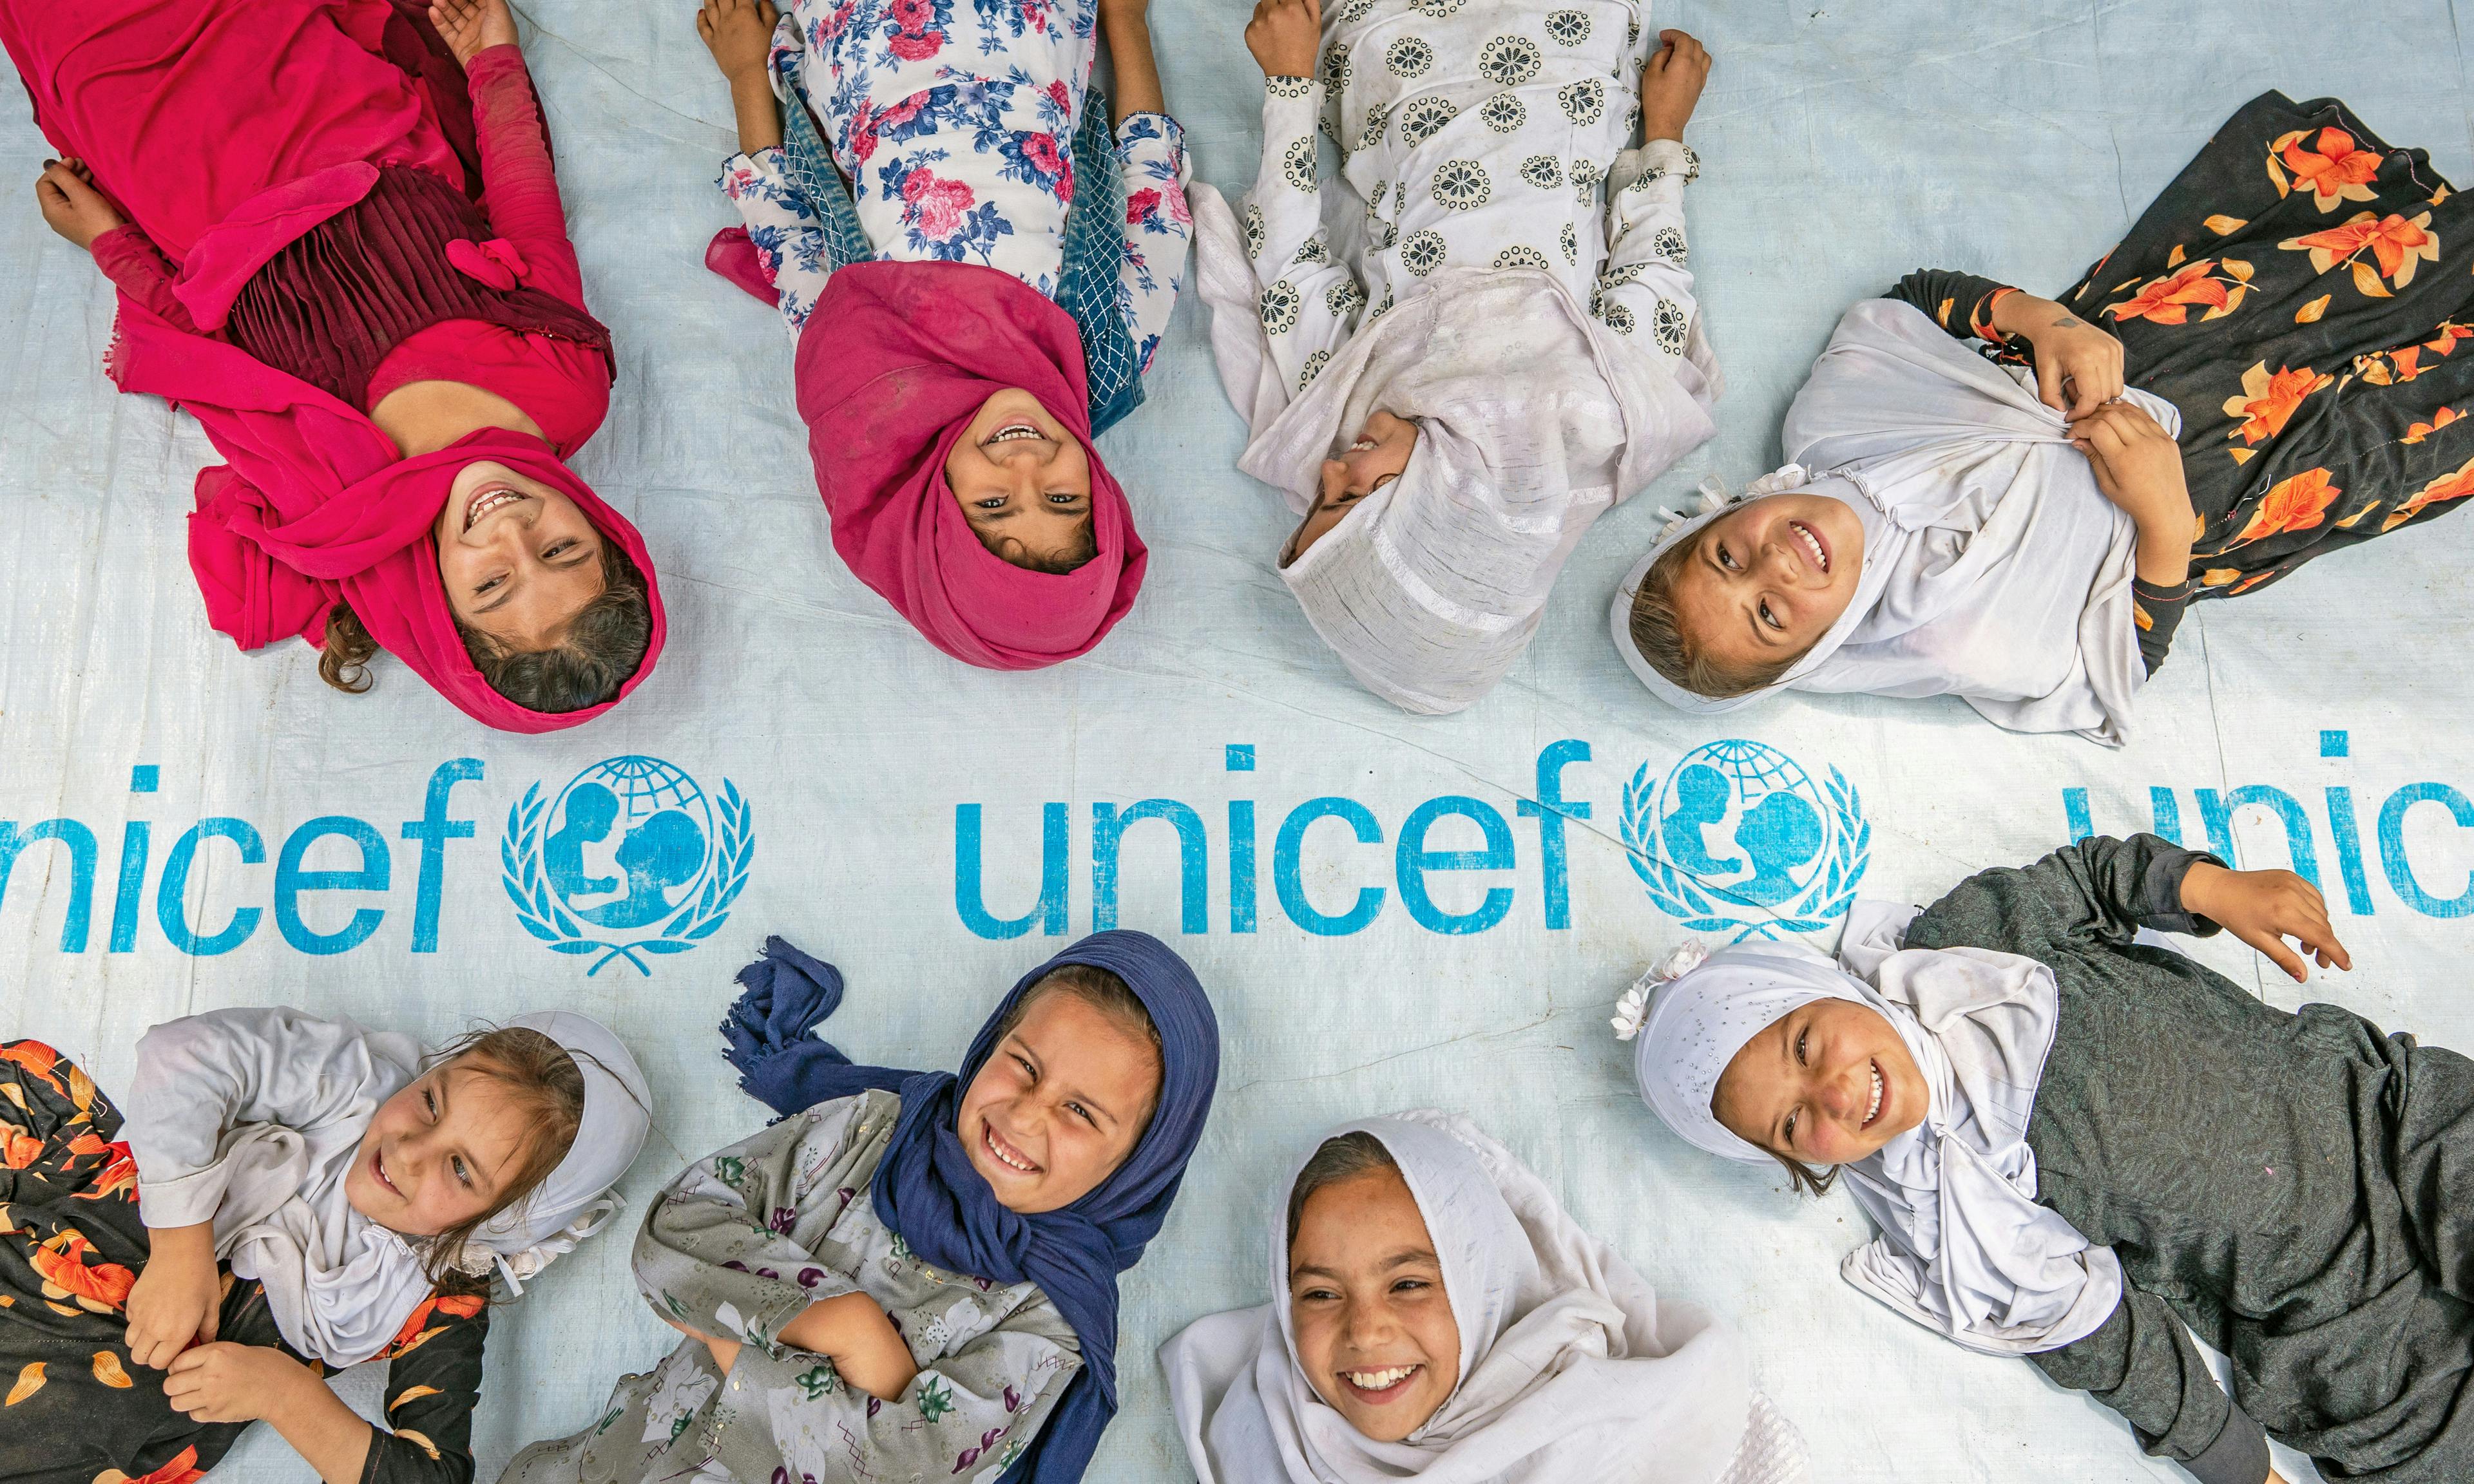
x=978 y=277
x=283 y=1197
x=1480 y=336
x=2264 y=370
x=913 y=1275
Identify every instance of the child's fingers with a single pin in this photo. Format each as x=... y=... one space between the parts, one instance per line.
x=2049 y=385
x=2274 y=946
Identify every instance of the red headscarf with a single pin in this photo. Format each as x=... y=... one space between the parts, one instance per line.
x=896 y=359
x=315 y=505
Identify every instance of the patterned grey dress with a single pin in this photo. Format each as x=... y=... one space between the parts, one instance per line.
x=739 y=1246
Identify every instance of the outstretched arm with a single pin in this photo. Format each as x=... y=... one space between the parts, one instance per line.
x=518 y=187
x=1128 y=35
x=1644 y=287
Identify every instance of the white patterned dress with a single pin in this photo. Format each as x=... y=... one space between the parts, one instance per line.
x=954 y=121
x=739 y=1246
x=1478 y=135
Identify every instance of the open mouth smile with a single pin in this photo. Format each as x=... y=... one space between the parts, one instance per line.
x=495 y=498
x=1378 y=1387
x=1813 y=545
x=1003 y=1153
x=1881 y=1089
x=1013 y=433
x=378 y=1167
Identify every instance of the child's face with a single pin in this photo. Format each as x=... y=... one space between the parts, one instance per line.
x=1374 y=1328
x=1374 y=460
x=1060 y=1104
x=1827 y=1083
x=1022 y=478
x=518 y=559
x=439 y=1153
x=1767 y=578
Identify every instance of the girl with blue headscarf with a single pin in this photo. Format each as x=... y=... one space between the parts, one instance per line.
x=913 y=1274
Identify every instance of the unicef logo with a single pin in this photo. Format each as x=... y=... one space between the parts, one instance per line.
x=1738 y=836
x=631 y=858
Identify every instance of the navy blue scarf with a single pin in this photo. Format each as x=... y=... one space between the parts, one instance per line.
x=927 y=1190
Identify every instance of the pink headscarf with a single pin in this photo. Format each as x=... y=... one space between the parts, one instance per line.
x=315 y=505
x=896 y=359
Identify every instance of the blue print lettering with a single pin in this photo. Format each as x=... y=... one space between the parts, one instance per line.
x=2416 y=817
x=1448 y=860
x=332 y=906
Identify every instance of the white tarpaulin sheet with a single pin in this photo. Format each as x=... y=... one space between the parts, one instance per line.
x=1383 y=912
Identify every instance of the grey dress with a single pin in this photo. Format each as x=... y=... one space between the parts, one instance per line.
x=2297 y=1188
x=739 y=1246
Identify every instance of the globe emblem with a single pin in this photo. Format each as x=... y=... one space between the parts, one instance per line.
x=1737 y=834
x=627 y=843
x=1745 y=821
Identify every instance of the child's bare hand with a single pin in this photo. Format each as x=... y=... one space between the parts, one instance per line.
x=472 y=27
x=2078 y=367
x=224 y=1382
x=2137 y=464
x=1670 y=85
x=739 y=35
x=70 y=203
x=2262 y=908
x=1286 y=36
x=178 y=1297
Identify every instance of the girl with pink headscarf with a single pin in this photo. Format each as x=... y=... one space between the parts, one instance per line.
x=338 y=243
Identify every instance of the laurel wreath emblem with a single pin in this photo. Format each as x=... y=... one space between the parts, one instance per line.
x=539 y=909
x=1705 y=908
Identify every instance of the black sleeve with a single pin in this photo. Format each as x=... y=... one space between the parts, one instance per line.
x=2158 y=612
x=433 y=1379
x=2143 y=1363
x=2099 y=888
x=1961 y=303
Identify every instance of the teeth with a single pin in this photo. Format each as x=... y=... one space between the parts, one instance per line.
x=487 y=502
x=1378 y=1380
x=1820 y=558
x=1014 y=434
x=1004 y=1158
x=1875 y=1107
x=1361 y=445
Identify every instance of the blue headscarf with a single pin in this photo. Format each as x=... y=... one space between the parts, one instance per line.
x=927 y=1190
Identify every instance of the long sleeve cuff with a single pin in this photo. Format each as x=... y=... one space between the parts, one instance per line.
x=2238 y=1457
x=1659 y=159
x=2158 y=612
x=2160 y=890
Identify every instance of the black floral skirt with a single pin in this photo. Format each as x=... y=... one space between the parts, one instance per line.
x=2305 y=294
x=74 y=1408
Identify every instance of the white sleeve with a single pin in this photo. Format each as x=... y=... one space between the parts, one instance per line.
x=1309 y=304
x=788 y=237
x=1644 y=287
x=200 y=1077
x=1159 y=225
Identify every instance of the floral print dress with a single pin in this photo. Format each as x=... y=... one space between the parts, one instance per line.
x=1480 y=135
x=954 y=122
x=2301 y=293
x=739 y=1246
x=74 y=1408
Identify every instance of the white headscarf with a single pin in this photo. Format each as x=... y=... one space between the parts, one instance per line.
x=1964 y=1248
x=1534 y=420
x=1994 y=568
x=338 y=1284
x=1570 y=1369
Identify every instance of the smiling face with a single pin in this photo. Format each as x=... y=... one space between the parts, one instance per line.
x=1024 y=482
x=441 y=1152
x=1376 y=1332
x=1380 y=452
x=518 y=558
x=1827 y=1083
x=1763 y=582
x=1060 y=1104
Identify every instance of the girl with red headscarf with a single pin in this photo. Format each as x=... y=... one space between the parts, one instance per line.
x=338 y=243
x=978 y=270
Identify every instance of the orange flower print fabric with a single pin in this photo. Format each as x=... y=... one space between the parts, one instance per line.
x=2300 y=292
x=78 y=1410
